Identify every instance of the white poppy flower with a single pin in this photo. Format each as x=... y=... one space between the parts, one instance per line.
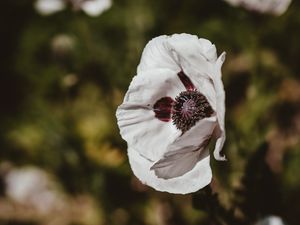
x=33 y=187
x=90 y=7
x=174 y=106
x=276 y=7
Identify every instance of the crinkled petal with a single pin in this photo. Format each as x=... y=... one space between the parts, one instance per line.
x=177 y=163
x=156 y=55
x=96 y=7
x=176 y=52
x=186 y=151
x=220 y=97
x=197 y=178
x=196 y=135
x=136 y=118
x=194 y=56
x=192 y=48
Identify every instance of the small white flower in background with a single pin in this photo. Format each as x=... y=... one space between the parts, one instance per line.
x=47 y=7
x=33 y=187
x=271 y=220
x=173 y=108
x=90 y=7
x=96 y=7
x=276 y=7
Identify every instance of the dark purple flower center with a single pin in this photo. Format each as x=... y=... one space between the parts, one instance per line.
x=189 y=106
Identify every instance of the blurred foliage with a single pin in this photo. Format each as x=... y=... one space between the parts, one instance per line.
x=62 y=77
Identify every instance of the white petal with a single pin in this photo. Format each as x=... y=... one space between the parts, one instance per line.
x=220 y=97
x=177 y=163
x=197 y=178
x=183 y=154
x=196 y=135
x=136 y=118
x=178 y=52
x=192 y=48
x=156 y=55
x=220 y=135
x=194 y=56
x=95 y=7
x=47 y=7
x=206 y=87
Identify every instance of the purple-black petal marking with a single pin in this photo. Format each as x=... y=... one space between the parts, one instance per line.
x=162 y=109
x=188 y=84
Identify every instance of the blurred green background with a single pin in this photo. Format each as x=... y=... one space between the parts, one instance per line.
x=63 y=75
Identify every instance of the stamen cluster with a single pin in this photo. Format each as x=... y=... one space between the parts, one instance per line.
x=189 y=107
